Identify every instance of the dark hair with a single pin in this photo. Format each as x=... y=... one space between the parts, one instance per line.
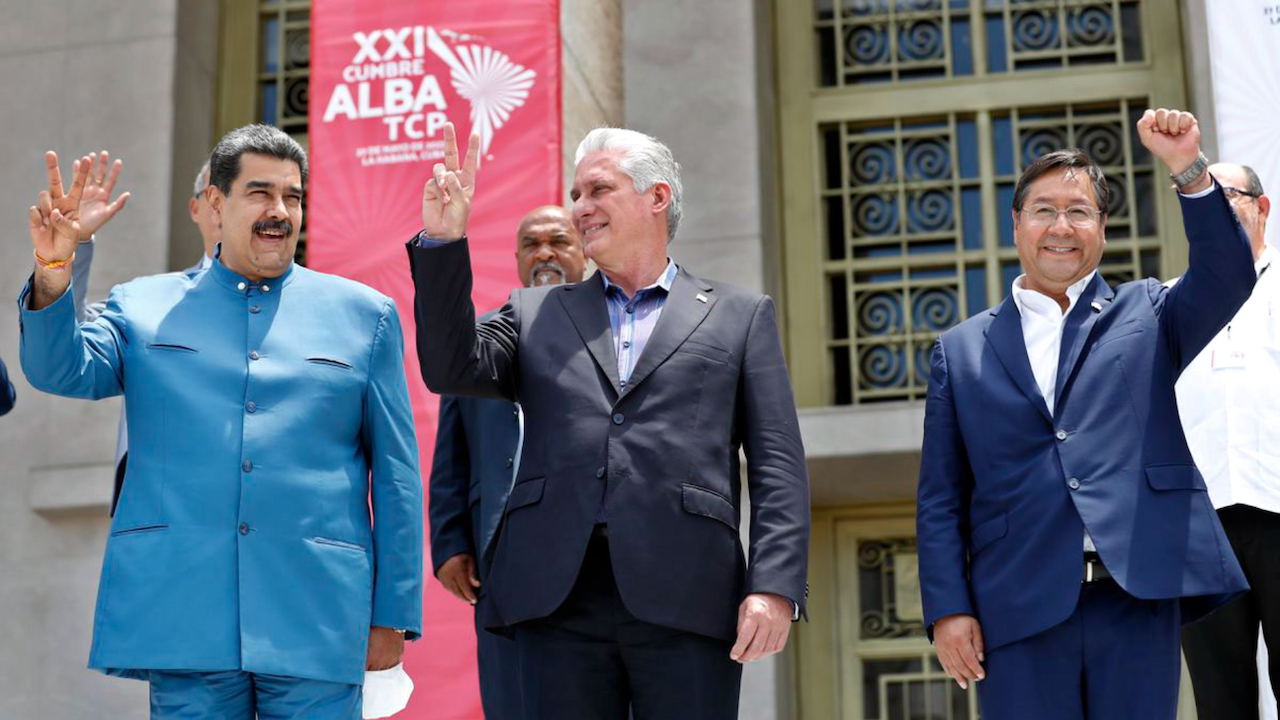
x=1253 y=185
x=1062 y=160
x=224 y=163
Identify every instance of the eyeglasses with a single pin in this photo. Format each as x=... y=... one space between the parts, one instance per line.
x=1235 y=192
x=1081 y=216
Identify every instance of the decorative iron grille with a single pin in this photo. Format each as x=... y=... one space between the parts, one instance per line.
x=284 y=76
x=919 y=237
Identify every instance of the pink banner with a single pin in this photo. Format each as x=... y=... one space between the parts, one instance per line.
x=385 y=77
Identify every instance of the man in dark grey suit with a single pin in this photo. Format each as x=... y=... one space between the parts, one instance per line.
x=618 y=561
x=477 y=445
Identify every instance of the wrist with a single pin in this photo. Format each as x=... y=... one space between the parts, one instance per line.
x=1187 y=174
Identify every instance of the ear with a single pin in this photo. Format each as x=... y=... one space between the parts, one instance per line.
x=661 y=198
x=1264 y=207
x=192 y=205
x=216 y=199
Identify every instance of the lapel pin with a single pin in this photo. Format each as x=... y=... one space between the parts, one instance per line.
x=701 y=298
x=1097 y=306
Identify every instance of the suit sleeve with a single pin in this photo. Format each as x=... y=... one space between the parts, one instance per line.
x=64 y=358
x=942 y=510
x=777 y=477
x=456 y=355
x=1219 y=278
x=7 y=393
x=395 y=482
x=449 y=488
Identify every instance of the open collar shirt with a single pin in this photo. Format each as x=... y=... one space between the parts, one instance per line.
x=633 y=319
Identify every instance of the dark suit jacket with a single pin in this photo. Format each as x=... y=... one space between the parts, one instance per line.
x=471 y=473
x=663 y=455
x=7 y=393
x=1007 y=489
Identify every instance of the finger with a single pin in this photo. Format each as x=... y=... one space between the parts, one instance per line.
x=450 y=147
x=978 y=646
x=35 y=218
x=952 y=664
x=44 y=202
x=970 y=665
x=1175 y=122
x=64 y=225
x=117 y=206
x=780 y=639
x=55 y=175
x=472 y=162
x=1162 y=120
x=746 y=633
x=104 y=162
x=430 y=190
x=1188 y=121
x=755 y=648
x=81 y=174
x=453 y=185
x=438 y=171
x=110 y=183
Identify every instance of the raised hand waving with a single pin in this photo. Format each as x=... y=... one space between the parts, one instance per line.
x=55 y=218
x=96 y=207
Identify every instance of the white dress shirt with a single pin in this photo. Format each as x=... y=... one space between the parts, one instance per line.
x=1229 y=400
x=1042 y=321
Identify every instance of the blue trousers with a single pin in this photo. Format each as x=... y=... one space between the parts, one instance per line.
x=1115 y=658
x=499 y=667
x=236 y=695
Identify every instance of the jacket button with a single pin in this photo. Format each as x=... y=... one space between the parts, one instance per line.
x=244 y=528
x=618 y=419
x=599 y=472
x=510 y=462
x=1061 y=434
x=254 y=355
x=1074 y=484
x=251 y=406
x=247 y=466
x=255 y=308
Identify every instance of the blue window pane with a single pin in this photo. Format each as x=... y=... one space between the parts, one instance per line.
x=975 y=288
x=961 y=48
x=1131 y=28
x=1008 y=273
x=967 y=145
x=271 y=45
x=1004 y=214
x=1002 y=130
x=267 y=103
x=971 y=205
x=997 y=59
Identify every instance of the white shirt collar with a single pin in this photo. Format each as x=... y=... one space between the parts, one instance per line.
x=1268 y=256
x=1035 y=302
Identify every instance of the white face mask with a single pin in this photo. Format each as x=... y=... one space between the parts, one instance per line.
x=386 y=692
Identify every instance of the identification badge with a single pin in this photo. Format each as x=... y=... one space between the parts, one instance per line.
x=1227 y=357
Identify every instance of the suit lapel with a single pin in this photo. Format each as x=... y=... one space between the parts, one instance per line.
x=681 y=314
x=1005 y=336
x=585 y=304
x=1075 y=333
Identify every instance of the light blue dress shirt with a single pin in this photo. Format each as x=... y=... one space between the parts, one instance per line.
x=272 y=509
x=634 y=318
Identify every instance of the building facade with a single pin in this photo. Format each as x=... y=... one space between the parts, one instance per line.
x=853 y=158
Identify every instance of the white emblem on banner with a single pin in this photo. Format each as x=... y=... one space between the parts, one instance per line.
x=488 y=79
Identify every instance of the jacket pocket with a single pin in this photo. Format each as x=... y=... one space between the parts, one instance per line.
x=1174 y=477
x=1125 y=329
x=988 y=532
x=708 y=503
x=139 y=529
x=172 y=347
x=526 y=493
x=330 y=362
x=705 y=350
x=338 y=543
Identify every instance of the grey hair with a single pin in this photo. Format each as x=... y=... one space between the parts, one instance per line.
x=202 y=180
x=1252 y=181
x=645 y=159
x=224 y=163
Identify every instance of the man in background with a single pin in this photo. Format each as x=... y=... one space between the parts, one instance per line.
x=7 y=393
x=477 y=448
x=1229 y=401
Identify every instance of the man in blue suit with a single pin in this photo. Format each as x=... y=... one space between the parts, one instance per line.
x=1064 y=532
x=477 y=447
x=267 y=546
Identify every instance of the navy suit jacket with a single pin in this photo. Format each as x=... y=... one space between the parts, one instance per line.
x=661 y=454
x=471 y=474
x=1007 y=489
x=7 y=394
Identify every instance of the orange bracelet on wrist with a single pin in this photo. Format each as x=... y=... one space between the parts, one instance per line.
x=55 y=264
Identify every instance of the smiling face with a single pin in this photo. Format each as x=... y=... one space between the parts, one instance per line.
x=616 y=222
x=1056 y=255
x=548 y=249
x=261 y=216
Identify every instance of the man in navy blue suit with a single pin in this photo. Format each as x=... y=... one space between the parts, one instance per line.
x=1064 y=531
x=477 y=446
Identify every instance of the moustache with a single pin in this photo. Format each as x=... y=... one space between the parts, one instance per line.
x=546 y=273
x=283 y=226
